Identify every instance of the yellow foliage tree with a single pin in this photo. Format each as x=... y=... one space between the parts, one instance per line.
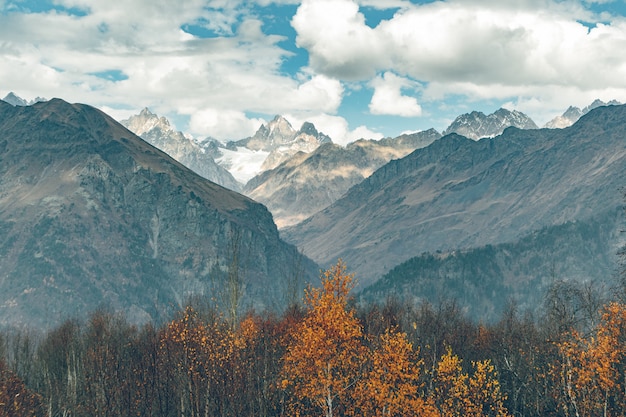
x=324 y=357
x=592 y=372
x=485 y=395
x=198 y=351
x=459 y=394
x=392 y=385
x=451 y=387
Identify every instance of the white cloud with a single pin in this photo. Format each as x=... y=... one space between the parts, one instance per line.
x=538 y=55
x=54 y=54
x=481 y=42
x=223 y=124
x=388 y=98
x=318 y=93
x=119 y=114
x=339 y=42
x=385 y=4
x=336 y=127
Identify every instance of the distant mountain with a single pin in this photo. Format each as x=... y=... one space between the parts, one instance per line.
x=572 y=114
x=15 y=100
x=273 y=143
x=309 y=182
x=459 y=193
x=158 y=132
x=476 y=125
x=282 y=141
x=91 y=214
x=484 y=280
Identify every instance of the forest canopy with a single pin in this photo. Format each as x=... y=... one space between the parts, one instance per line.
x=326 y=356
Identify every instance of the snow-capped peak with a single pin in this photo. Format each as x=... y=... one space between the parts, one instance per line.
x=476 y=125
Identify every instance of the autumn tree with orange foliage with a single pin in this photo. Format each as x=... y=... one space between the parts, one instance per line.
x=197 y=353
x=592 y=372
x=324 y=357
x=391 y=387
x=459 y=394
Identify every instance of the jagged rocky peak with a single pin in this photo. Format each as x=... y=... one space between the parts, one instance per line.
x=476 y=125
x=275 y=133
x=279 y=132
x=572 y=114
x=15 y=100
x=158 y=132
x=279 y=126
x=306 y=140
x=309 y=129
x=282 y=141
x=599 y=103
x=145 y=121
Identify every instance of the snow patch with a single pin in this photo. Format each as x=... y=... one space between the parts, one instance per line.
x=243 y=164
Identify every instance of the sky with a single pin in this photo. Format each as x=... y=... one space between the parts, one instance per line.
x=354 y=68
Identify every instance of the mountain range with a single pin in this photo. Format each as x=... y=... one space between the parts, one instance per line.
x=15 y=100
x=93 y=212
x=282 y=141
x=459 y=193
x=282 y=168
x=309 y=182
x=91 y=215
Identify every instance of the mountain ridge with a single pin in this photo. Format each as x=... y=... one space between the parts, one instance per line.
x=573 y=113
x=309 y=182
x=459 y=193
x=476 y=125
x=158 y=132
x=486 y=280
x=91 y=213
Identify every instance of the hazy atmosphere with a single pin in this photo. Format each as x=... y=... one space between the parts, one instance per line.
x=335 y=208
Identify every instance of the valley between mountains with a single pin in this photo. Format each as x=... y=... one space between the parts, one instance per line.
x=141 y=217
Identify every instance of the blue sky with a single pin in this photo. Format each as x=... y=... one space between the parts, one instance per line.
x=355 y=68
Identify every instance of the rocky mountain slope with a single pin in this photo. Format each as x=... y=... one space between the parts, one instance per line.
x=158 y=132
x=309 y=182
x=91 y=214
x=476 y=125
x=459 y=193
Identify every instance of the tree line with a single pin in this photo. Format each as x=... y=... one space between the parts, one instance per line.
x=327 y=357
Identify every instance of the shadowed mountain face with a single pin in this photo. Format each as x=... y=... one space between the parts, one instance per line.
x=461 y=193
x=90 y=214
x=484 y=281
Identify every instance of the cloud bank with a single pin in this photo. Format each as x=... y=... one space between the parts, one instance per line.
x=224 y=66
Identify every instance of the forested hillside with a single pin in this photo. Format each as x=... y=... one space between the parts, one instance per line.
x=484 y=280
x=329 y=358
